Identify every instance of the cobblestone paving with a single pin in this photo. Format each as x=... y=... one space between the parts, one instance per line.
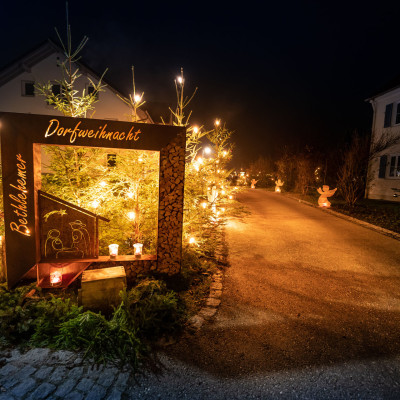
x=44 y=374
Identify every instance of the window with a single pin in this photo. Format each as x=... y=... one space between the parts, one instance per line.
x=382 y=167
x=388 y=115
x=398 y=114
x=90 y=89
x=111 y=160
x=56 y=89
x=28 y=88
x=394 y=170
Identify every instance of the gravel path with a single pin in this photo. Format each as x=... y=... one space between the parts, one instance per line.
x=310 y=309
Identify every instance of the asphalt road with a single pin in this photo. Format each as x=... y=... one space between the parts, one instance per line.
x=310 y=309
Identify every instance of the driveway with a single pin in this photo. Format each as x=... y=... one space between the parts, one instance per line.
x=310 y=310
x=305 y=292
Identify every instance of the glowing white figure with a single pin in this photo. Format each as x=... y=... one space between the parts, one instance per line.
x=278 y=185
x=253 y=183
x=325 y=193
x=213 y=195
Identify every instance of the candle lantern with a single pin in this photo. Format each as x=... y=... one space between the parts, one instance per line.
x=56 y=276
x=138 y=249
x=113 y=248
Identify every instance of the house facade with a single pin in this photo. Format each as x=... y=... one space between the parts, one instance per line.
x=18 y=79
x=384 y=169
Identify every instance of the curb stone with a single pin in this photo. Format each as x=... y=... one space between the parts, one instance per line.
x=211 y=306
x=367 y=225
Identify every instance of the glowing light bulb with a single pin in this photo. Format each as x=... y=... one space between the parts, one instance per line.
x=195 y=129
x=180 y=80
x=103 y=183
x=130 y=194
x=192 y=240
x=223 y=192
x=137 y=98
x=95 y=203
x=230 y=197
x=200 y=160
x=217 y=122
x=204 y=204
x=131 y=215
x=224 y=153
x=207 y=150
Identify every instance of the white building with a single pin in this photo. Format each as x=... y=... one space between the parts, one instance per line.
x=17 y=80
x=384 y=170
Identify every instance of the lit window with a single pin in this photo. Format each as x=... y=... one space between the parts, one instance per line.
x=28 y=88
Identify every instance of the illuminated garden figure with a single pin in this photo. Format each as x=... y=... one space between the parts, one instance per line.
x=253 y=183
x=278 y=184
x=325 y=193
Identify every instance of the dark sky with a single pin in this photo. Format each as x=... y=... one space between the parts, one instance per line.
x=286 y=73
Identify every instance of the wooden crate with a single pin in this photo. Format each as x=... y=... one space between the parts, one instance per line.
x=100 y=287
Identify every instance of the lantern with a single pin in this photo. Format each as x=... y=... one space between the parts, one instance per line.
x=113 y=248
x=138 y=249
x=56 y=276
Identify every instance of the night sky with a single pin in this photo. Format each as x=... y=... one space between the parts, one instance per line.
x=290 y=73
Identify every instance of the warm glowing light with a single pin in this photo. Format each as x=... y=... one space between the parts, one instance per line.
x=204 y=204
x=137 y=98
x=131 y=215
x=253 y=183
x=103 y=183
x=192 y=240
x=200 y=160
x=230 y=197
x=325 y=193
x=224 y=153
x=55 y=278
x=130 y=194
x=138 y=249
x=223 y=209
x=140 y=159
x=223 y=192
x=95 y=203
x=207 y=150
x=235 y=188
x=278 y=185
x=113 y=248
x=217 y=122
x=195 y=129
x=180 y=80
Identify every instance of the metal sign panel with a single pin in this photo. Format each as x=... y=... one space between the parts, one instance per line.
x=21 y=137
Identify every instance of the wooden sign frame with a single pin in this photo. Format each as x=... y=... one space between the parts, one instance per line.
x=21 y=138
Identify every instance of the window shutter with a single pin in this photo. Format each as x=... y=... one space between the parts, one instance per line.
x=388 y=115
x=382 y=167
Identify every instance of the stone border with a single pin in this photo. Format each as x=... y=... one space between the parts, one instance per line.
x=367 y=225
x=212 y=304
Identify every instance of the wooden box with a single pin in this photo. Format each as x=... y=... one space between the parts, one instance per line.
x=100 y=287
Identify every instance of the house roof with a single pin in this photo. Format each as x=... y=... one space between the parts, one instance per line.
x=39 y=53
x=388 y=87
